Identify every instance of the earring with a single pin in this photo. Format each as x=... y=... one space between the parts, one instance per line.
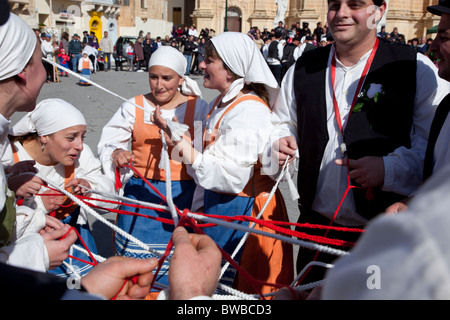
x=42 y=147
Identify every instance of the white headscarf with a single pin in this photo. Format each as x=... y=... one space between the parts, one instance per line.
x=173 y=59
x=17 y=45
x=49 y=116
x=243 y=57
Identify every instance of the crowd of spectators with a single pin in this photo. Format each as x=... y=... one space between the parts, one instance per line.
x=134 y=54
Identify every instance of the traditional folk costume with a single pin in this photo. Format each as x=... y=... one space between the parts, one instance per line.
x=31 y=212
x=388 y=117
x=86 y=67
x=229 y=169
x=132 y=123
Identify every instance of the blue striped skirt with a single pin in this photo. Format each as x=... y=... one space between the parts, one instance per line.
x=154 y=234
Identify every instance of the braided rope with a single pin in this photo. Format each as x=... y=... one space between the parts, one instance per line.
x=99 y=217
x=253 y=224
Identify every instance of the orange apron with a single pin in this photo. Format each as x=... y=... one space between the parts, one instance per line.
x=146 y=145
x=265 y=258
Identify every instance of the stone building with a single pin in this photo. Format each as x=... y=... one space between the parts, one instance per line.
x=131 y=17
x=409 y=16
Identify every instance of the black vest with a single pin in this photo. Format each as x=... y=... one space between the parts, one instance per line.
x=272 y=51
x=376 y=130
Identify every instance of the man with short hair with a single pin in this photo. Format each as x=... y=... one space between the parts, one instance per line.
x=107 y=46
x=358 y=113
x=75 y=49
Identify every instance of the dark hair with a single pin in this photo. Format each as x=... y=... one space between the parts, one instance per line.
x=376 y=2
x=259 y=88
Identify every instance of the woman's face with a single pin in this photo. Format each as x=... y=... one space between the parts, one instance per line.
x=65 y=145
x=216 y=75
x=164 y=83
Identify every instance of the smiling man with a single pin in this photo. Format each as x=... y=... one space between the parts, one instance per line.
x=358 y=152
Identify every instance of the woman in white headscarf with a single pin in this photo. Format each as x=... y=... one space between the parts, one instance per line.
x=177 y=96
x=22 y=75
x=55 y=144
x=237 y=131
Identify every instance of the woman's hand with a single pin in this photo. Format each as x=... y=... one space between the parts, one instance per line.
x=122 y=157
x=159 y=121
x=25 y=184
x=76 y=183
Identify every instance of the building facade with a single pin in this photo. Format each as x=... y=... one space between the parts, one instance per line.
x=159 y=17
x=409 y=16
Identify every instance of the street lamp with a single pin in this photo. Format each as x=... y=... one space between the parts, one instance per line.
x=226 y=16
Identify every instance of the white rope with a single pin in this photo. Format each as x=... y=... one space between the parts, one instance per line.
x=91 y=82
x=312 y=263
x=71 y=268
x=99 y=217
x=166 y=166
x=97 y=257
x=247 y=229
x=125 y=199
x=253 y=224
x=301 y=243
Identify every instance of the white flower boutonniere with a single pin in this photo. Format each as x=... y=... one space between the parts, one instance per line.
x=370 y=94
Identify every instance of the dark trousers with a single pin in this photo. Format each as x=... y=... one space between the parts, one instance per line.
x=49 y=69
x=276 y=71
x=147 y=60
x=118 y=63
x=138 y=64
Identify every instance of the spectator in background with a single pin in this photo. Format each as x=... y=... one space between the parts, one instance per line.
x=194 y=67
x=189 y=47
x=85 y=38
x=174 y=44
x=265 y=47
x=118 y=54
x=47 y=52
x=274 y=55
x=130 y=56
x=156 y=44
x=258 y=39
x=382 y=34
x=305 y=31
x=148 y=49
x=166 y=41
x=204 y=33
x=318 y=31
x=93 y=40
x=138 y=54
x=106 y=45
x=201 y=54
x=395 y=36
x=75 y=49
x=193 y=32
